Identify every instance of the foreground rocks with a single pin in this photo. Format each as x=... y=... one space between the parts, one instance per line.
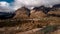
x=16 y=30
x=46 y=30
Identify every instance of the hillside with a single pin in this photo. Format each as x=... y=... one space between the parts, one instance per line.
x=21 y=22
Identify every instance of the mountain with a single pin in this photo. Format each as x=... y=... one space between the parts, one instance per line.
x=6 y=15
x=26 y=13
x=21 y=13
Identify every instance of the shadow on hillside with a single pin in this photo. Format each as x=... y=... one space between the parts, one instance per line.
x=11 y=23
x=54 y=15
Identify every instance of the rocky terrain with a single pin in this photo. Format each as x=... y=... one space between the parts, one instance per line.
x=36 y=23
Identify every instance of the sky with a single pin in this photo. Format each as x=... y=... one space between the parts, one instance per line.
x=6 y=6
x=9 y=1
x=30 y=4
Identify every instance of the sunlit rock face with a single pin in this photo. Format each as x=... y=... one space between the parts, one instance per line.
x=37 y=14
x=21 y=13
x=26 y=13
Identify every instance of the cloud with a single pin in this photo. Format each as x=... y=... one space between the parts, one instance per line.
x=30 y=4
x=5 y=7
x=2 y=3
x=35 y=3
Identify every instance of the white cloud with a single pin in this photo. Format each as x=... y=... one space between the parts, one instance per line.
x=27 y=3
x=35 y=3
x=5 y=7
x=3 y=3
